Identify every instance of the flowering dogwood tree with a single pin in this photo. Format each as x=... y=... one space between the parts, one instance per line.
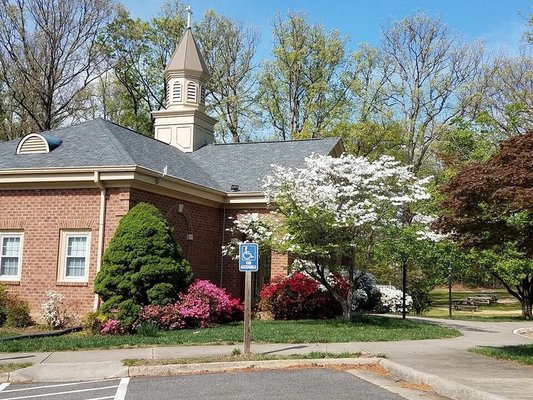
x=334 y=210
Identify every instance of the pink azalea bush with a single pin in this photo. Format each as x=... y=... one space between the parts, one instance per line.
x=204 y=304
x=112 y=327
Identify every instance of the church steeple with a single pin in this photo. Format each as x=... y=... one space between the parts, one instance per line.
x=184 y=123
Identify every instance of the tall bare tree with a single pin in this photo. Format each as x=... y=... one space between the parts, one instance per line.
x=49 y=55
x=506 y=97
x=229 y=49
x=429 y=80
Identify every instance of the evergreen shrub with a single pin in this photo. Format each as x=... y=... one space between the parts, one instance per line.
x=142 y=265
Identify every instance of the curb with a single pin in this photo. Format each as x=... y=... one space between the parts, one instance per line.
x=441 y=386
x=523 y=332
x=182 y=369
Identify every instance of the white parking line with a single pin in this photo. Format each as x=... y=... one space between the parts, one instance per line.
x=3 y=386
x=102 y=398
x=122 y=388
x=51 y=386
x=58 y=393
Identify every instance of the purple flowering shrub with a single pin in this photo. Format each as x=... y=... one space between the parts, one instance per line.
x=204 y=304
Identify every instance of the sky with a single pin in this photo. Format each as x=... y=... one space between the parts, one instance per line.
x=500 y=24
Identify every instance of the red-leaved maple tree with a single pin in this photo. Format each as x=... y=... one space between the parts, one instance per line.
x=488 y=207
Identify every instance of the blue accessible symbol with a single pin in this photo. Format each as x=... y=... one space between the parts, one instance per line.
x=248 y=257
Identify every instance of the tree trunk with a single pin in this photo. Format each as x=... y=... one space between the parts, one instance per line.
x=526 y=307
x=346 y=311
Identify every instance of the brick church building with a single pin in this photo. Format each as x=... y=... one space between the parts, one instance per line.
x=63 y=192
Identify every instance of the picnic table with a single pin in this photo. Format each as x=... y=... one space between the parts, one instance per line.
x=483 y=299
x=464 y=305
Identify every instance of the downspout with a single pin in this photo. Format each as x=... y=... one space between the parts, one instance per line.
x=223 y=244
x=101 y=229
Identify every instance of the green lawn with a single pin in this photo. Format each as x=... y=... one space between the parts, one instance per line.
x=9 y=367
x=507 y=308
x=371 y=329
x=522 y=354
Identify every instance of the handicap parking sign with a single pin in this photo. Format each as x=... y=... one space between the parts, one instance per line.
x=248 y=257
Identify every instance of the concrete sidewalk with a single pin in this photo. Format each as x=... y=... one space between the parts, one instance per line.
x=444 y=358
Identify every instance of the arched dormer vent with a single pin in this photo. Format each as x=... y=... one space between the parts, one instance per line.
x=36 y=143
x=176 y=92
x=191 y=92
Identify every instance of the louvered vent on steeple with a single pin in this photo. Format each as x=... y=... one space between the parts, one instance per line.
x=191 y=92
x=176 y=92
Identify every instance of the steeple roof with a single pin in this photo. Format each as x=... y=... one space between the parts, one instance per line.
x=187 y=58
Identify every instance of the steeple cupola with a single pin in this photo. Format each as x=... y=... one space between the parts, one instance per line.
x=184 y=123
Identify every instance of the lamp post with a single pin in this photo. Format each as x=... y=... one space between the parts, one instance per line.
x=450 y=291
x=404 y=287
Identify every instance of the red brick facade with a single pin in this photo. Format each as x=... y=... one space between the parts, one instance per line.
x=42 y=214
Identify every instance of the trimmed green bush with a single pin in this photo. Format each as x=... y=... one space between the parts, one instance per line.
x=142 y=265
x=14 y=312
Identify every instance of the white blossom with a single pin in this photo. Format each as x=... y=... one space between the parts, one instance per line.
x=392 y=299
x=353 y=189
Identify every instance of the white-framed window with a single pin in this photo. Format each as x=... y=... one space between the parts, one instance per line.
x=74 y=256
x=10 y=255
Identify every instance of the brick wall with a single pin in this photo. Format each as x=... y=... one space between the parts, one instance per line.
x=41 y=215
x=202 y=222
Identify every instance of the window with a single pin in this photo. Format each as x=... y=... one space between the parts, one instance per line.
x=10 y=255
x=74 y=256
x=191 y=92
x=176 y=92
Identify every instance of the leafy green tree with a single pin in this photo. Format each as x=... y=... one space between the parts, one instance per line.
x=425 y=256
x=488 y=207
x=139 y=52
x=301 y=91
x=142 y=265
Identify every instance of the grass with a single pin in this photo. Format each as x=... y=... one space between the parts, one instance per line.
x=507 y=308
x=8 y=367
x=314 y=355
x=369 y=329
x=522 y=354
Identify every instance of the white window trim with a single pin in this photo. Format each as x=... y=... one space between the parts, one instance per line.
x=20 y=234
x=63 y=247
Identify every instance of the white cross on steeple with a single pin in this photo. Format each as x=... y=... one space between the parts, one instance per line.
x=189 y=13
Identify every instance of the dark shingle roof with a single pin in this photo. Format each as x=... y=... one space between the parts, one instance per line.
x=100 y=143
x=246 y=164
